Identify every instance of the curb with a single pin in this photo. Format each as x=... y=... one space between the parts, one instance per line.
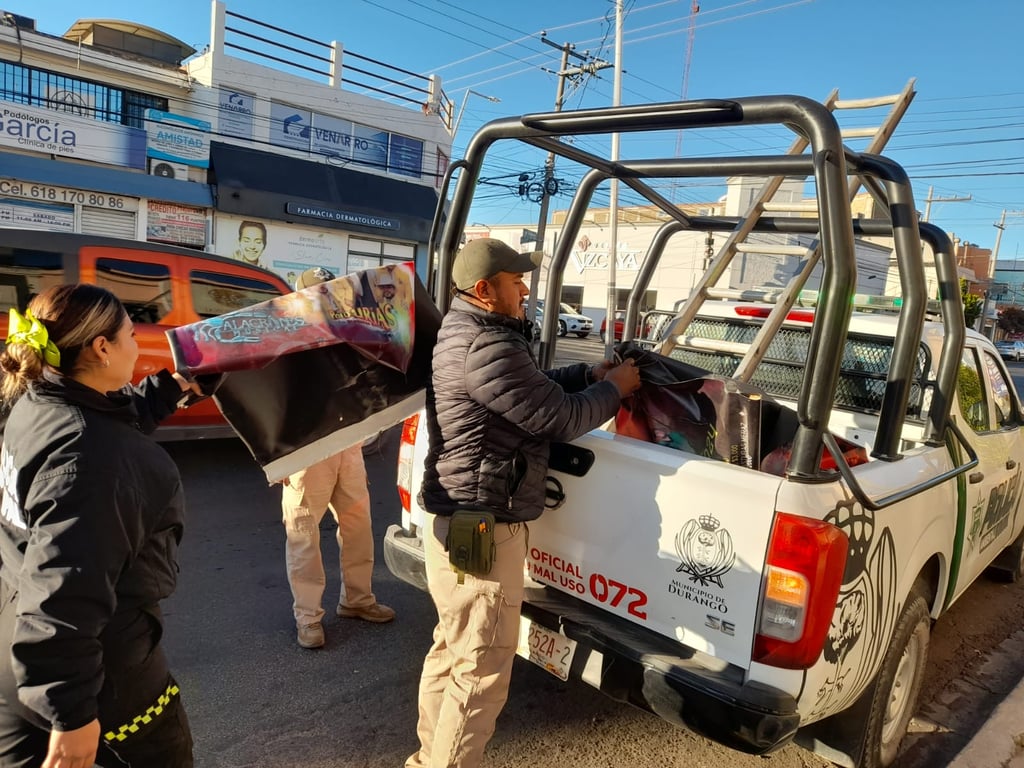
x=1000 y=742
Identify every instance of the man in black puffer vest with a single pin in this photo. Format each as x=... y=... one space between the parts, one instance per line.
x=491 y=415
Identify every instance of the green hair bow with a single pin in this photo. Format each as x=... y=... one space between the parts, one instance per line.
x=26 y=329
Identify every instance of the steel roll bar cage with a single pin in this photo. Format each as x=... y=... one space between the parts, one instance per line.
x=828 y=162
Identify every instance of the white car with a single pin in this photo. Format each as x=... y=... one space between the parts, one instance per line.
x=1011 y=350
x=569 y=320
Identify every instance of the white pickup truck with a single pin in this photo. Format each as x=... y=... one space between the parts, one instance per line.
x=791 y=602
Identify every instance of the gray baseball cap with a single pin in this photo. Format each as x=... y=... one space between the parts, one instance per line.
x=482 y=259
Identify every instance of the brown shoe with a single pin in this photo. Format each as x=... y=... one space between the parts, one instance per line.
x=377 y=613
x=311 y=635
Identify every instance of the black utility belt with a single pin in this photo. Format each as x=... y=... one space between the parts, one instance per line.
x=499 y=519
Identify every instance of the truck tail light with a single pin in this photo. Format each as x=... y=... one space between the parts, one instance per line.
x=405 y=453
x=804 y=570
x=800 y=315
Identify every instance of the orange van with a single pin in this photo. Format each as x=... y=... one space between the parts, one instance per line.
x=161 y=286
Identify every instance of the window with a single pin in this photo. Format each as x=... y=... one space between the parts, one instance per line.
x=367 y=254
x=647 y=302
x=143 y=288
x=442 y=168
x=214 y=293
x=40 y=88
x=573 y=294
x=25 y=273
x=1001 y=397
x=971 y=393
x=405 y=155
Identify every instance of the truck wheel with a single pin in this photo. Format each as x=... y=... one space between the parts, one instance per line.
x=561 y=328
x=1009 y=564
x=897 y=684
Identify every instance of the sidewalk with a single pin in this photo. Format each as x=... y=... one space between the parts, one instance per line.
x=1000 y=742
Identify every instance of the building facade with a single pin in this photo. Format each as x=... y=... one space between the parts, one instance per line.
x=686 y=255
x=114 y=128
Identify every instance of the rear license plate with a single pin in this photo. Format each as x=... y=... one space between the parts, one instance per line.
x=545 y=648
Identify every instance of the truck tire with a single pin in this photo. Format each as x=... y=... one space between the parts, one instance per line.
x=895 y=689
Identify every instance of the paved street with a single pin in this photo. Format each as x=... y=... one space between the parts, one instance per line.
x=257 y=699
x=201 y=160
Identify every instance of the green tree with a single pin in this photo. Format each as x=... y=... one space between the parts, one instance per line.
x=1011 y=320
x=972 y=304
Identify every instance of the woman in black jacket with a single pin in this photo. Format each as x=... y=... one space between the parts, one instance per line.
x=91 y=517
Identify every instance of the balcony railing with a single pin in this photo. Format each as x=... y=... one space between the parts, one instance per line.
x=308 y=56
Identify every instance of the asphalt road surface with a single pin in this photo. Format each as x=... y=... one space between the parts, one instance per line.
x=256 y=699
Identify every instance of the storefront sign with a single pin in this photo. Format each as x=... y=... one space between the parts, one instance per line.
x=65 y=135
x=370 y=146
x=585 y=260
x=169 y=223
x=337 y=138
x=345 y=217
x=285 y=249
x=177 y=138
x=289 y=127
x=332 y=136
x=31 y=215
x=47 y=193
x=234 y=110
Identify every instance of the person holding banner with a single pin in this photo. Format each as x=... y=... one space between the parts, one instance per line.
x=338 y=482
x=90 y=522
x=491 y=414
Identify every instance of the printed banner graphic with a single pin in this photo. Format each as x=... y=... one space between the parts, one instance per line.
x=318 y=370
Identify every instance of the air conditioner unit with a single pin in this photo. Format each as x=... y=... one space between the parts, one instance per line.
x=168 y=170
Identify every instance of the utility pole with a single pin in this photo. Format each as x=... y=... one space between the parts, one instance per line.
x=992 y=269
x=927 y=213
x=550 y=185
x=1000 y=226
x=613 y=203
x=929 y=200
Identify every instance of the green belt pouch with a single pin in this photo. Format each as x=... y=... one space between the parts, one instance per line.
x=470 y=543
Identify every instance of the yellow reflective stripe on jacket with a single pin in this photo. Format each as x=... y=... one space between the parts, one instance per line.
x=127 y=729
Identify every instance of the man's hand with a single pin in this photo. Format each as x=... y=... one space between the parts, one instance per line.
x=73 y=749
x=625 y=377
x=598 y=372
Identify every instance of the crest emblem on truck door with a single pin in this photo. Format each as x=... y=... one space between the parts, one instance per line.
x=705 y=550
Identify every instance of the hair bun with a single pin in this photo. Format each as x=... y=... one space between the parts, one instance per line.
x=9 y=364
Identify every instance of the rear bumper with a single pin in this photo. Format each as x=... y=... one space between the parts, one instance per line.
x=403 y=555
x=636 y=666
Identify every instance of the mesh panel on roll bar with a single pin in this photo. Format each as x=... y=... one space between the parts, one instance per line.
x=861 y=384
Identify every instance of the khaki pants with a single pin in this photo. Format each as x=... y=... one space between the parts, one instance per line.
x=467 y=670
x=339 y=481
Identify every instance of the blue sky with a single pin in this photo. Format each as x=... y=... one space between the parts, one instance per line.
x=963 y=135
